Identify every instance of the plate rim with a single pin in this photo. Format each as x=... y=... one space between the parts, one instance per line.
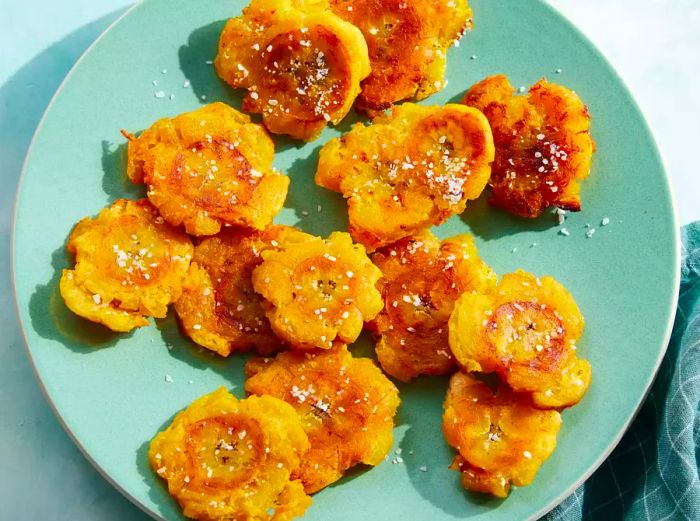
x=13 y=275
x=571 y=26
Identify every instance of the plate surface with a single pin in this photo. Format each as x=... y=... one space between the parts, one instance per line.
x=110 y=391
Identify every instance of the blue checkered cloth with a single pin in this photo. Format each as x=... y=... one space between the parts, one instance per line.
x=653 y=473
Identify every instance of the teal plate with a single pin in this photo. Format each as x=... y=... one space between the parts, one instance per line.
x=110 y=391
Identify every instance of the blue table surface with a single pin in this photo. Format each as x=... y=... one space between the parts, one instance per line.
x=655 y=45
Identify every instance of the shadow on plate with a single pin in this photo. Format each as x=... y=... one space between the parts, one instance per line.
x=319 y=211
x=200 y=48
x=363 y=347
x=349 y=475
x=491 y=223
x=232 y=368
x=52 y=319
x=115 y=182
x=457 y=98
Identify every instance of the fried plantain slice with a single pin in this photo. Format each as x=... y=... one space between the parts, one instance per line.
x=318 y=291
x=230 y=459
x=300 y=63
x=422 y=279
x=346 y=404
x=208 y=168
x=543 y=145
x=218 y=308
x=407 y=43
x=411 y=169
x=526 y=331
x=129 y=265
x=501 y=438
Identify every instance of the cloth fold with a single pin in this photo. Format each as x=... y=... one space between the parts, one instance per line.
x=653 y=473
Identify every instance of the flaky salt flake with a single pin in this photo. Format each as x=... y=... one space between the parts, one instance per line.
x=561 y=215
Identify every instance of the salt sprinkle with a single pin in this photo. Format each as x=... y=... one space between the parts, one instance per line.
x=159 y=94
x=605 y=221
x=168 y=378
x=561 y=215
x=186 y=84
x=565 y=232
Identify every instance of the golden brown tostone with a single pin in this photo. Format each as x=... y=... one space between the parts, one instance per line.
x=208 y=169
x=318 y=292
x=500 y=437
x=526 y=331
x=228 y=459
x=300 y=63
x=347 y=407
x=129 y=265
x=543 y=145
x=409 y=170
x=219 y=309
x=407 y=43
x=422 y=279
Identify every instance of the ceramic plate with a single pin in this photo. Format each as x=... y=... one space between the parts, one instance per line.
x=110 y=391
